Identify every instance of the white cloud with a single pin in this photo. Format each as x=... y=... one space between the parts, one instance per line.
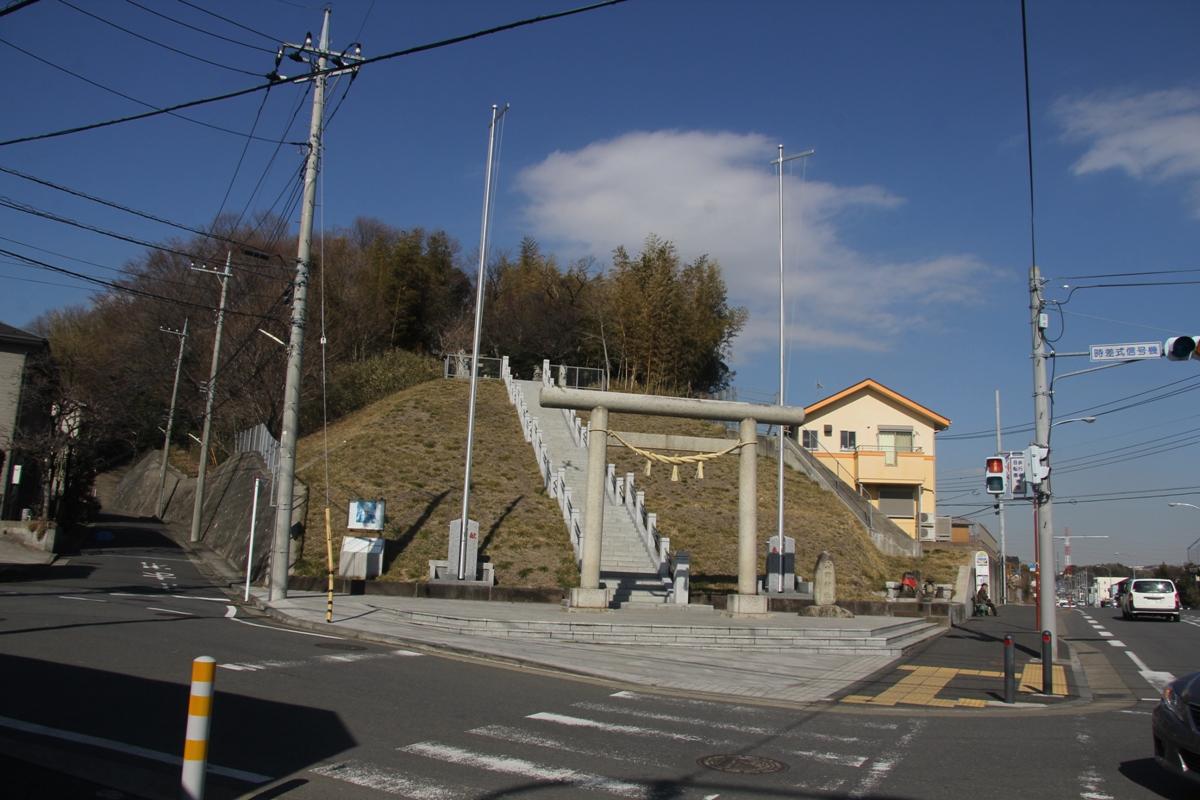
x=1152 y=136
x=716 y=193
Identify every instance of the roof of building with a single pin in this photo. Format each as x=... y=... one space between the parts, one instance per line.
x=939 y=422
x=13 y=335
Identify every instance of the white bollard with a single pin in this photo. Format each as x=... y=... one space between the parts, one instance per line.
x=195 y=746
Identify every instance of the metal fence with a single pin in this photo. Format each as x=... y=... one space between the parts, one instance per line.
x=259 y=440
x=458 y=365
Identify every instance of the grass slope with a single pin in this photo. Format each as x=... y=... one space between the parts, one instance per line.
x=410 y=449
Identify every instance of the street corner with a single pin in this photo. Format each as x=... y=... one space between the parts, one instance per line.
x=949 y=687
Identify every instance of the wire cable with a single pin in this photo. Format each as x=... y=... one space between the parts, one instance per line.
x=198 y=29
x=234 y=23
x=331 y=70
x=155 y=42
x=131 y=98
x=1028 y=135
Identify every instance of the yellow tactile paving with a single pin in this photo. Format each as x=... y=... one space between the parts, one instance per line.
x=922 y=685
x=1031 y=679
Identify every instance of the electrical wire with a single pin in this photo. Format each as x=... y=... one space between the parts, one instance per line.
x=231 y=22
x=131 y=98
x=189 y=26
x=157 y=43
x=242 y=158
x=1028 y=136
x=331 y=70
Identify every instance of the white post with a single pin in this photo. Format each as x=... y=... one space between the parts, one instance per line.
x=250 y=549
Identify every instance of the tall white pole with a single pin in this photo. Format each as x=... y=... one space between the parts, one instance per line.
x=284 y=488
x=250 y=547
x=779 y=161
x=1042 y=504
x=198 y=503
x=463 y=531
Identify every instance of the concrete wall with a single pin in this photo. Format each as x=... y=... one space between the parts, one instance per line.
x=225 y=516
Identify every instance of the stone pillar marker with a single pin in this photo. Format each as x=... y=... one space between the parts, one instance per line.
x=589 y=594
x=825 y=591
x=747 y=600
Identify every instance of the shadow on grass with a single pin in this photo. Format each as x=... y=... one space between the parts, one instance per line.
x=496 y=525
x=392 y=548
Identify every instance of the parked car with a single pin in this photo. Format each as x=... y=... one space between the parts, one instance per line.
x=1150 y=597
x=1174 y=725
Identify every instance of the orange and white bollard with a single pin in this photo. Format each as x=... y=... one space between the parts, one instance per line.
x=195 y=746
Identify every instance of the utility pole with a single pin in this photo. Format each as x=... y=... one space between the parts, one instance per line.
x=162 y=468
x=1000 y=512
x=779 y=162
x=209 y=392
x=1043 y=520
x=284 y=489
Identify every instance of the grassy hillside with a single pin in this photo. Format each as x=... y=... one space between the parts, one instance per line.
x=410 y=449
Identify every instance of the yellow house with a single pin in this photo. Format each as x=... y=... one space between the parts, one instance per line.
x=882 y=444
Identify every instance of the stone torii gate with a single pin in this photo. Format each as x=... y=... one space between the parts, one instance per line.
x=748 y=415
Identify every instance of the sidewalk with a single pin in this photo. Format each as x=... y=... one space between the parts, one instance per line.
x=781 y=659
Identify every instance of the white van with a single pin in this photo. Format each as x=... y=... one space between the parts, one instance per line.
x=1154 y=597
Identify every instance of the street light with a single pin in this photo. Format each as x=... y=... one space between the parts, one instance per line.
x=1192 y=546
x=1088 y=420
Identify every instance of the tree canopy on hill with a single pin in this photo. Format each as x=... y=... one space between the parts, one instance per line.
x=650 y=320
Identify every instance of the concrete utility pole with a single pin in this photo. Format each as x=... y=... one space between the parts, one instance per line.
x=1042 y=504
x=284 y=489
x=198 y=505
x=162 y=468
x=1000 y=513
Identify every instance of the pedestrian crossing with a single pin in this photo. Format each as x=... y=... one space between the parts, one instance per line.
x=637 y=745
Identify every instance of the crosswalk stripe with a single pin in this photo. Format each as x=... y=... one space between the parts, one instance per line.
x=388 y=781
x=506 y=733
x=527 y=769
x=631 y=730
x=709 y=723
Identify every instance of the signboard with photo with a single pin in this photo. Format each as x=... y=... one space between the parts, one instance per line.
x=366 y=515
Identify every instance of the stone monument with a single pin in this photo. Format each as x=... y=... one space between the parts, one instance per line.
x=825 y=590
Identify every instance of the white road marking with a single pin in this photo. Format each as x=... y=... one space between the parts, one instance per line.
x=208 y=599
x=332 y=658
x=231 y=613
x=170 y=611
x=1116 y=642
x=1158 y=680
x=832 y=758
x=75 y=597
x=880 y=768
x=1105 y=633
x=383 y=780
x=527 y=769
x=631 y=730
x=1090 y=780
x=708 y=723
x=129 y=749
x=507 y=733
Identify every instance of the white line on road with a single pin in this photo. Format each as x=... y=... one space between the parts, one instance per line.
x=194 y=597
x=832 y=758
x=1158 y=680
x=1105 y=633
x=632 y=730
x=231 y=613
x=384 y=780
x=708 y=723
x=129 y=749
x=75 y=597
x=884 y=765
x=518 y=766
x=170 y=611
x=507 y=733
x=1116 y=642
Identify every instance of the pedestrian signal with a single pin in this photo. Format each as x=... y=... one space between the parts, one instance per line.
x=995 y=478
x=1181 y=348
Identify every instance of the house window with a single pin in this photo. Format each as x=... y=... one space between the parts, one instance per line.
x=893 y=441
x=849 y=440
x=808 y=438
x=829 y=430
x=897 y=501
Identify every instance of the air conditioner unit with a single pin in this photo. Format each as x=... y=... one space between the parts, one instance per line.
x=942 y=528
x=928 y=534
x=926 y=518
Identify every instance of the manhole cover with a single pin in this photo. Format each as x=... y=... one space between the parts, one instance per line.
x=340 y=646
x=744 y=765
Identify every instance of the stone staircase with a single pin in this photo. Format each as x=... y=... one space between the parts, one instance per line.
x=866 y=636
x=626 y=564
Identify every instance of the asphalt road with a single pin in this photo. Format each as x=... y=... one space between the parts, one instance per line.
x=96 y=656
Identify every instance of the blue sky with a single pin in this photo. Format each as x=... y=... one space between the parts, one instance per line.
x=908 y=232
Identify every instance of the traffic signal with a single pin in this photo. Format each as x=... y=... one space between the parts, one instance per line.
x=995 y=478
x=1181 y=348
x=1037 y=464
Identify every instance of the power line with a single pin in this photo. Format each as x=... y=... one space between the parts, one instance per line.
x=131 y=98
x=155 y=42
x=232 y=22
x=328 y=71
x=189 y=26
x=15 y=6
